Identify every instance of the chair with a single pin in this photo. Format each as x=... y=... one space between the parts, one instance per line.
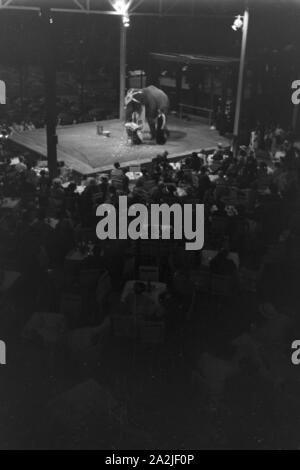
x=152 y=332
x=201 y=280
x=129 y=268
x=103 y=287
x=149 y=273
x=135 y=169
x=148 y=249
x=242 y=198
x=248 y=280
x=183 y=285
x=46 y=327
x=71 y=307
x=82 y=406
x=124 y=326
x=219 y=225
x=221 y=285
x=87 y=235
x=97 y=198
x=88 y=278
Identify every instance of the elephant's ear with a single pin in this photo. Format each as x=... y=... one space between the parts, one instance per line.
x=129 y=96
x=139 y=96
x=136 y=96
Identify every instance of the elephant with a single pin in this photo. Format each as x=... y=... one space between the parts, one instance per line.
x=150 y=100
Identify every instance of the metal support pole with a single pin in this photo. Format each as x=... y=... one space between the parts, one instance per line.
x=295 y=117
x=50 y=92
x=240 y=81
x=178 y=85
x=122 y=69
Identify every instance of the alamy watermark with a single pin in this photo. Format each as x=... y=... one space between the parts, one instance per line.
x=2 y=353
x=295 y=357
x=2 y=344
x=140 y=222
x=2 y=92
x=296 y=93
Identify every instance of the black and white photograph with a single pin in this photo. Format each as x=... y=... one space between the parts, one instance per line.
x=150 y=227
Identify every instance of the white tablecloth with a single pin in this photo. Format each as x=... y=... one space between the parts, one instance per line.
x=9 y=203
x=10 y=278
x=208 y=255
x=157 y=288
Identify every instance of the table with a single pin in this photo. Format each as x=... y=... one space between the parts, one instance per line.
x=10 y=277
x=79 y=189
x=133 y=175
x=10 y=203
x=175 y=165
x=213 y=178
x=77 y=255
x=14 y=161
x=208 y=255
x=52 y=222
x=164 y=231
x=158 y=288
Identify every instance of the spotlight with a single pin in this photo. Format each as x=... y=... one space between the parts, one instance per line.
x=121 y=7
x=126 y=21
x=238 y=23
x=45 y=12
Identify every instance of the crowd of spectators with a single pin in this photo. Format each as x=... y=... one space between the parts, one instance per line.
x=252 y=222
x=248 y=192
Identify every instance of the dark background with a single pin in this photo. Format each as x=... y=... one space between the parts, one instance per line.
x=87 y=50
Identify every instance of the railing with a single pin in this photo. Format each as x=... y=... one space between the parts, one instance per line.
x=209 y=112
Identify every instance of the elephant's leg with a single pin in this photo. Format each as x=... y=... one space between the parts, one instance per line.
x=167 y=131
x=151 y=123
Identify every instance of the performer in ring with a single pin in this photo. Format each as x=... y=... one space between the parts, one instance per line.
x=161 y=134
x=134 y=129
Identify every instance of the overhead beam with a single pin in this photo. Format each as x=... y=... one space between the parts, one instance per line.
x=160 y=7
x=134 y=8
x=78 y=4
x=171 y=7
x=84 y=10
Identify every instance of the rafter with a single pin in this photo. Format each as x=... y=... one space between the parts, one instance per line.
x=77 y=2
x=159 y=9
x=171 y=7
x=135 y=7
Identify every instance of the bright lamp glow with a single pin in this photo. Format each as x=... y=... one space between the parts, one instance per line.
x=121 y=6
x=126 y=21
x=238 y=23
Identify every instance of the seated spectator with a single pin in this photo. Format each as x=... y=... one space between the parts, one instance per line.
x=21 y=166
x=139 y=193
x=112 y=197
x=72 y=199
x=196 y=162
x=86 y=202
x=221 y=265
x=64 y=237
x=148 y=180
x=203 y=182
x=56 y=196
x=222 y=187
x=218 y=154
x=43 y=188
x=103 y=188
x=139 y=304
x=118 y=179
x=279 y=135
x=263 y=177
